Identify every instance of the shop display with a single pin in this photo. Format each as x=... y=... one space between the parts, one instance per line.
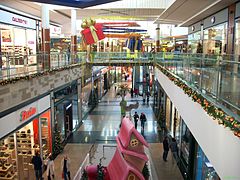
x=215 y=40
x=8 y=169
x=15 y=162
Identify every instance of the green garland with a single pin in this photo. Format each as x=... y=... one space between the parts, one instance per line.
x=31 y=76
x=216 y=113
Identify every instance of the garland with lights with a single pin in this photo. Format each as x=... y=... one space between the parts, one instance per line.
x=31 y=76
x=215 y=112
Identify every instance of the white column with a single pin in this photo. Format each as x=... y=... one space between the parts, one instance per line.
x=73 y=22
x=158 y=32
x=45 y=16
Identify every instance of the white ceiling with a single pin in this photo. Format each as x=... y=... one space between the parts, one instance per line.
x=184 y=12
x=187 y=12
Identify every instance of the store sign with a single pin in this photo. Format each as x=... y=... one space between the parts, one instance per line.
x=24 y=115
x=14 y=19
x=12 y=121
x=54 y=30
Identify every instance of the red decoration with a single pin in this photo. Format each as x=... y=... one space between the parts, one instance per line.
x=88 y=34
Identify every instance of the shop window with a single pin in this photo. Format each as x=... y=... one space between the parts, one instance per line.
x=194 y=43
x=215 y=40
x=46 y=134
x=204 y=169
x=168 y=114
x=19 y=45
x=185 y=144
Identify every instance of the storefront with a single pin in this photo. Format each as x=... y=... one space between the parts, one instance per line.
x=23 y=133
x=203 y=168
x=66 y=110
x=237 y=30
x=18 y=41
x=215 y=33
x=195 y=38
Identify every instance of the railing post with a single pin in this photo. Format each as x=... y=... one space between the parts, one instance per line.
x=58 y=59
x=8 y=66
x=219 y=79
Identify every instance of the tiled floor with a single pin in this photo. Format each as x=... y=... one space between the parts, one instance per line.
x=101 y=127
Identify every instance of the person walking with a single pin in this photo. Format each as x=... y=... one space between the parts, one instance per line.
x=131 y=92
x=174 y=149
x=136 y=117
x=37 y=162
x=65 y=164
x=50 y=168
x=143 y=119
x=144 y=97
x=165 y=148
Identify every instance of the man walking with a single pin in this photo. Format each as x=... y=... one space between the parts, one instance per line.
x=165 y=148
x=37 y=162
x=136 y=117
x=143 y=119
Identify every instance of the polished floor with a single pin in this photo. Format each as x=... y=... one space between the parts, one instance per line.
x=101 y=127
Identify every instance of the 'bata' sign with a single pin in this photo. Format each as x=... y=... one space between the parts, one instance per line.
x=27 y=114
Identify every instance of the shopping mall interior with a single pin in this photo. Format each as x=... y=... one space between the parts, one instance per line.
x=120 y=89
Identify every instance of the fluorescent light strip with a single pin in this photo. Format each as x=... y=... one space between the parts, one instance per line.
x=200 y=12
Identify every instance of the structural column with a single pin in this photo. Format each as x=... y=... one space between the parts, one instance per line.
x=45 y=37
x=158 y=38
x=231 y=24
x=73 y=33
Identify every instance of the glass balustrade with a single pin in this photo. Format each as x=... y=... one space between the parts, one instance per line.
x=217 y=77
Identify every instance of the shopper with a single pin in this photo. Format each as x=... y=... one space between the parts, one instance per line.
x=174 y=150
x=143 y=119
x=50 y=168
x=131 y=92
x=144 y=97
x=136 y=117
x=165 y=148
x=65 y=164
x=37 y=162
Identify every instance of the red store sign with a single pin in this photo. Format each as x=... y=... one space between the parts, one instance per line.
x=24 y=115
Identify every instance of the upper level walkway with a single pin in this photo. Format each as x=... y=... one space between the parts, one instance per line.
x=215 y=77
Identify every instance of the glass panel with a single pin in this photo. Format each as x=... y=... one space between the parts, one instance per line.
x=215 y=40
x=46 y=134
x=204 y=169
x=194 y=43
x=185 y=145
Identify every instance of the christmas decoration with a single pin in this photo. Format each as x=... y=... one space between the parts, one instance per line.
x=92 y=31
x=31 y=76
x=58 y=147
x=215 y=112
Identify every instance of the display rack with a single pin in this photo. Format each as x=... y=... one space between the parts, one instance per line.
x=8 y=168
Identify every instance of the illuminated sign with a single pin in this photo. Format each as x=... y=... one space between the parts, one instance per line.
x=24 y=115
x=14 y=19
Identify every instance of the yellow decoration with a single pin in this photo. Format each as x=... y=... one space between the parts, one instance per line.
x=131 y=177
x=134 y=142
